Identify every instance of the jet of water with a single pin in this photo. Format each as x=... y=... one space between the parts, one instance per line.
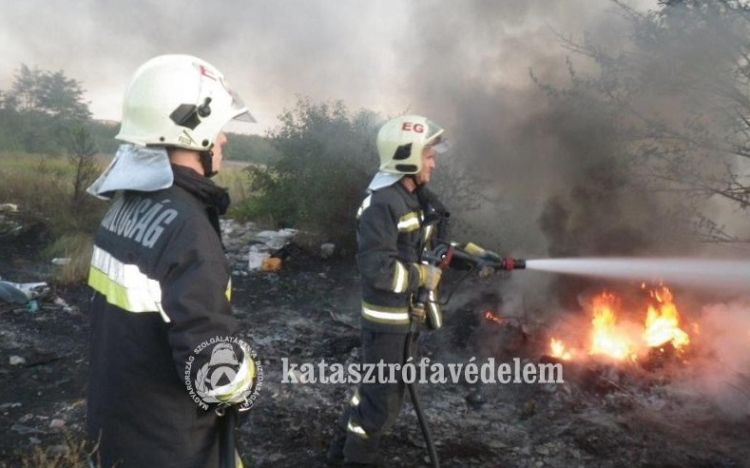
x=729 y=274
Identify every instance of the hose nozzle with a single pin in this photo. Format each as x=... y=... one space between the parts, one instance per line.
x=445 y=255
x=509 y=264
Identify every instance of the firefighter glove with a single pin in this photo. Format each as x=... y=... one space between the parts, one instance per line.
x=429 y=276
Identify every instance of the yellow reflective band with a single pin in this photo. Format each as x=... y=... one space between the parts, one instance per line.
x=355 y=399
x=228 y=292
x=393 y=316
x=124 y=285
x=356 y=429
x=365 y=204
x=400 y=277
x=409 y=222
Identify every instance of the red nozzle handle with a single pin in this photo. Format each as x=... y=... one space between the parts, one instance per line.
x=513 y=264
x=445 y=263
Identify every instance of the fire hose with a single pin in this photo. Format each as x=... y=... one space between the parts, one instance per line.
x=228 y=417
x=442 y=257
x=409 y=351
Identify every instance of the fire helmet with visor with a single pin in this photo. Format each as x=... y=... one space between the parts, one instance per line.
x=178 y=100
x=401 y=142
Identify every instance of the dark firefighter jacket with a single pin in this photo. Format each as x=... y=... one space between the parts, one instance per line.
x=391 y=234
x=161 y=282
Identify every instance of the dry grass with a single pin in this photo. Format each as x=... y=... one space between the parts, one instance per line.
x=36 y=184
x=77 y=247
x=42 y=187
x=72 y=452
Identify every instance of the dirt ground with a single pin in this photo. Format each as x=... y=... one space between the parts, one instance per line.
x=308 y=312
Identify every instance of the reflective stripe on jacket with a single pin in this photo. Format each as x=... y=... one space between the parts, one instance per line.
x=161 y=282
x=388 y=242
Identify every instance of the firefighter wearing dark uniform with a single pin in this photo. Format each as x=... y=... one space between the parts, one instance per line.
x=391 y=234
x=161 y=278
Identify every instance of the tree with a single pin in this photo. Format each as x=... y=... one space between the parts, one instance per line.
x=62 y=97
x=680 y=96
x=49 y=93
x=24 y=94
x=40 y=110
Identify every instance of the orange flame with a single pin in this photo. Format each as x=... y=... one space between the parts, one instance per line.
x=662 y=325
x=490 y=316
x=558 y=350
x=621 y=340
x=605 y=338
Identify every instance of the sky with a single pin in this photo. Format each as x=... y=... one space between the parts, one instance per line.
x=388 y=56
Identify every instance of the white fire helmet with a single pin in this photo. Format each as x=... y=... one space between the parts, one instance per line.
x=401 y=142
x=178 y=100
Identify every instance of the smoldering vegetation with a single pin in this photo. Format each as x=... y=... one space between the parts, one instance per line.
x=626 y=140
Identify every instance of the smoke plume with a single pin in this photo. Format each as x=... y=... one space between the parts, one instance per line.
x=722 y=372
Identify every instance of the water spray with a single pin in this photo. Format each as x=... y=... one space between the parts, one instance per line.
x=730 y=274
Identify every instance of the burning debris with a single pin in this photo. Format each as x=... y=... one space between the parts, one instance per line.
x=616 y=334
x=494 y=318
x=639 y=343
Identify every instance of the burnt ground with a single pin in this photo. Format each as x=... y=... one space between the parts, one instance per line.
x=601 y=417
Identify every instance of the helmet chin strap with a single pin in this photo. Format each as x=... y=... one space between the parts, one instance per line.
x=415 y=187
x=206 y=159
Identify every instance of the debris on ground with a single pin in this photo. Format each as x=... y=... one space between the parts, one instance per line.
x=308 y=311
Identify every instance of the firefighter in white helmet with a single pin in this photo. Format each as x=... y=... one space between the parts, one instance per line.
x=390 y=237
x=162 y=281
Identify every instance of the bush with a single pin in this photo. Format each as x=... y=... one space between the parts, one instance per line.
x=326 y=158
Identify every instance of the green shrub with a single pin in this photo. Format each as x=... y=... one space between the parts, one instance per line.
x=326 y=158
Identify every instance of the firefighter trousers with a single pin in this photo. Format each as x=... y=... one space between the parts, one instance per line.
x=374 y=407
